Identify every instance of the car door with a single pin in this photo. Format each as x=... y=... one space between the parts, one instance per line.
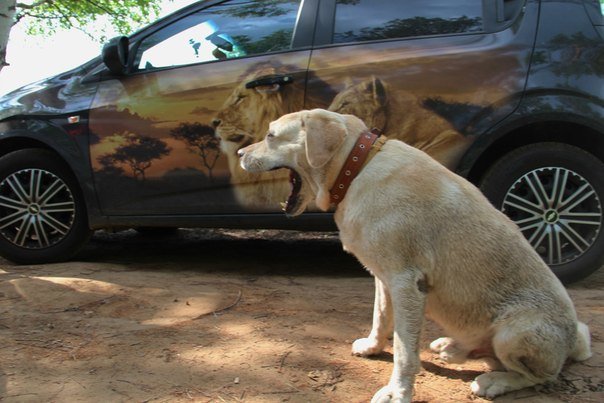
x=200 y=86
x=432 y=73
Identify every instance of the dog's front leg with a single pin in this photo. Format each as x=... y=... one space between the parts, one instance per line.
x=407 y=293
x=382 y=324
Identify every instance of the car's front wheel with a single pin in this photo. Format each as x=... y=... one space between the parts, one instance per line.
x=42 y=213
x=554 y=193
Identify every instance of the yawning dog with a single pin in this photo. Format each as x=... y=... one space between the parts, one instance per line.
x=436 y=246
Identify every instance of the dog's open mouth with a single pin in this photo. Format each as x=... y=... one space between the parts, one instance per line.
x=292 y=200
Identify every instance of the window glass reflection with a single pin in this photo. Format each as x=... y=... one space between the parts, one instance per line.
x=228 y=30
x=369 y=20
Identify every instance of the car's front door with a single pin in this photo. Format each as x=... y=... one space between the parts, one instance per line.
x=164 y=137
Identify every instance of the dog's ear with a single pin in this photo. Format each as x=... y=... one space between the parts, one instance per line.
x=325 y=134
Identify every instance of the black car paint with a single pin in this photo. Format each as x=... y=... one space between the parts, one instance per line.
x=550 y=100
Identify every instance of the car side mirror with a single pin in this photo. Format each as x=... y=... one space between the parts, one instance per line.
x=115 y=55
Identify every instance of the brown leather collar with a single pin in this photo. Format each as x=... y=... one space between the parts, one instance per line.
x=365 y=148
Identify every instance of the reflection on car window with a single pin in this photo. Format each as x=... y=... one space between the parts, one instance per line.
x=228 y=30
x=369 y=20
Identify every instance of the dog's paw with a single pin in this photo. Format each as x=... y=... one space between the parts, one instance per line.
x=448 y=351
x=441 y=344
x=366 y=347
x=493 y=384
x=488 y=385
x=389 y=394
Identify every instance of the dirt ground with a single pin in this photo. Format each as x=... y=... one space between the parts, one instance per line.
x=225 y=316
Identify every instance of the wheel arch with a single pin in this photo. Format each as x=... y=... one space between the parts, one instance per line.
x=19 y=143
x=13 y=144
x=567 y=131
x=64 y=148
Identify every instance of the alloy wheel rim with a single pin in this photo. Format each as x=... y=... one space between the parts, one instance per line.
x=558 y=211
x=37 y=209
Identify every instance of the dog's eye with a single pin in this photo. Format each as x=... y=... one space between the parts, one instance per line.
x=270 y=135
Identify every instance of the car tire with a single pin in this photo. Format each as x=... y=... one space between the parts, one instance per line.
x=42 y=213
x=554 y=193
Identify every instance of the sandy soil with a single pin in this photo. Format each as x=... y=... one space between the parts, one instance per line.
x=236 y=316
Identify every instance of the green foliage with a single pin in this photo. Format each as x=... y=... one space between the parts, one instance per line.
x=47 y=16
x=266 y=8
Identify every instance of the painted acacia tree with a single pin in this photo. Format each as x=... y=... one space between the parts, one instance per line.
x=43 y=16
x=201 y=140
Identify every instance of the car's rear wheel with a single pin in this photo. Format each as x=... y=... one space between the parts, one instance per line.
x=42 y=213
x=554 y=193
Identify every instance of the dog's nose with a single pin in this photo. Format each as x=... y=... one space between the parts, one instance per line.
x=216 y=122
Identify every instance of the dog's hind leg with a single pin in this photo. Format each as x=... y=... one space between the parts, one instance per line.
x=531 y=354
x=382 y=324
x=494 y=384
x=407 y=292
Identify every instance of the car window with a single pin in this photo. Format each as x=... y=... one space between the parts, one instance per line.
x=228 y=30
x=369 y=20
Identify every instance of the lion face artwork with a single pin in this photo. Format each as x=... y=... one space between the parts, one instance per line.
x=400 y=115
x=243 y=120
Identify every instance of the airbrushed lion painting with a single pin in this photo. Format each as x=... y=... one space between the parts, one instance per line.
x=245 y=117
x=165 y=138
x=177 y=136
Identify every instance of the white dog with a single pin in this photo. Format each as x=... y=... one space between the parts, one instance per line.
x=436 y=246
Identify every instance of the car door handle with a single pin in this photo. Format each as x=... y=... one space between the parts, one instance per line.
x=269 y=81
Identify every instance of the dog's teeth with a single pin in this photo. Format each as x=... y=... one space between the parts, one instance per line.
x=283 y=206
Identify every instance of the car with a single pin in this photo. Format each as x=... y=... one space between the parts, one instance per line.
x=506 y=93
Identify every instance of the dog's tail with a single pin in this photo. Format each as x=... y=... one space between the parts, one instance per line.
x=582 y=350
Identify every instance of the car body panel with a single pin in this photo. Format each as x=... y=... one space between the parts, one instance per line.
x=64 y=93
x=564 y=85
x=569 y=53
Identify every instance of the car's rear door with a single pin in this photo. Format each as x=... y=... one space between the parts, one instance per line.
x=432 y=73
x=200 y=86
